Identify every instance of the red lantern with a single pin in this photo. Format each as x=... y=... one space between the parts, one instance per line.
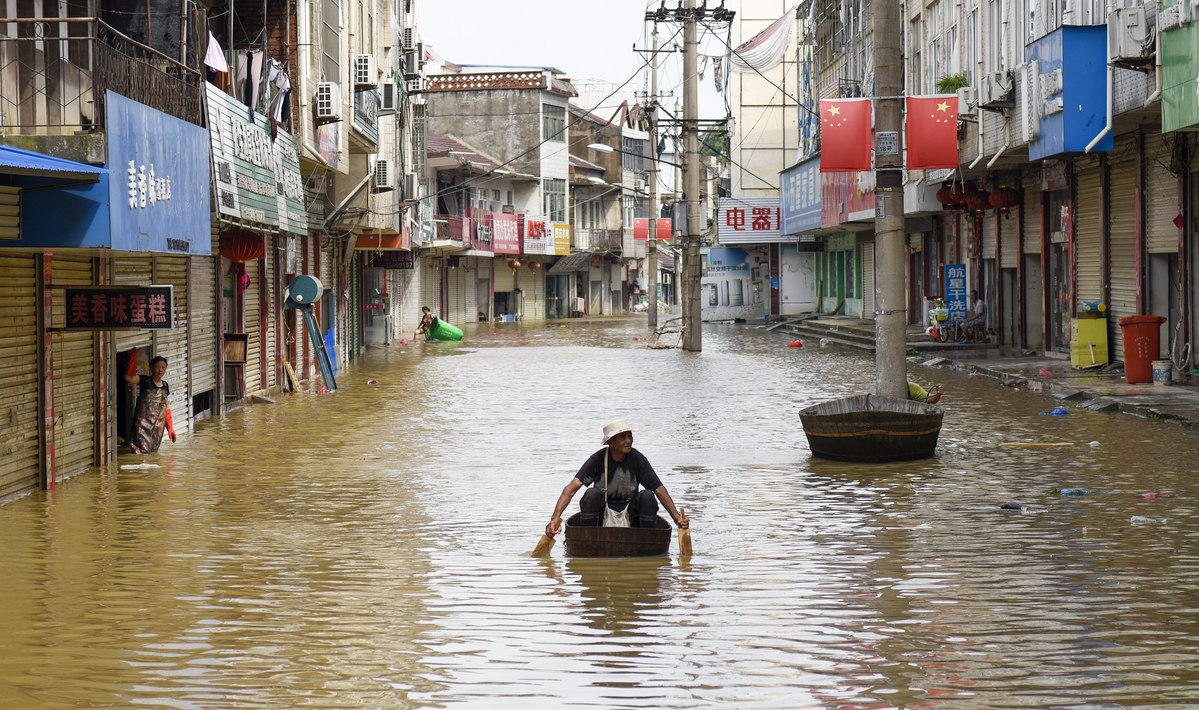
x=514 y=264
x=535 y=266
x=1005 y=198
x=978 y=199
x=240 y=246
x=946 y=197
x=960 y=191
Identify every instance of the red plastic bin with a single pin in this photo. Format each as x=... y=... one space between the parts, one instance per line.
x=1142 y=343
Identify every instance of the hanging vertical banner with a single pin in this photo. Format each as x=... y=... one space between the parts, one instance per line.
x=845 y=126
x=931 y=130
x=955 y=292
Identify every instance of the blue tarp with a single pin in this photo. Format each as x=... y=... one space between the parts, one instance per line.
x=14 y=161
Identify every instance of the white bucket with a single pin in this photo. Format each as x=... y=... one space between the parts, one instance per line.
x=1163 y=372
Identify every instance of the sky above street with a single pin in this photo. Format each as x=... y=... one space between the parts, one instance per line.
x=587 y=39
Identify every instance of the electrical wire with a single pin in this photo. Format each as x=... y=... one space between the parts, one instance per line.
x=491 y=173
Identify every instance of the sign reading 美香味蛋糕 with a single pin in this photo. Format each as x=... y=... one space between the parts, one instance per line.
x=120 y=308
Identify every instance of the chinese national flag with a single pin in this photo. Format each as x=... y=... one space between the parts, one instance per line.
x=845 y=135
x=932 y=132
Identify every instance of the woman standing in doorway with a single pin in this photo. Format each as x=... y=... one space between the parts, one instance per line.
x=151 y=414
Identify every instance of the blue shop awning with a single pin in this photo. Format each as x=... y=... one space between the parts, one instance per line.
x=14 y=161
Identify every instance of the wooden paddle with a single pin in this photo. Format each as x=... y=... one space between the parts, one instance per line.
x=684 y=536
x=546 y=543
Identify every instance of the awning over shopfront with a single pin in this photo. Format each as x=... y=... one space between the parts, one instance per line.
x=15 y=161
x=572 y=263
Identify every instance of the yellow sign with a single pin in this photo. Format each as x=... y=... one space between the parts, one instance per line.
x=561 y=238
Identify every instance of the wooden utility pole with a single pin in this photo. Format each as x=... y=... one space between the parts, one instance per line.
x=692 y=315
x=651 y=244
x=890 y=314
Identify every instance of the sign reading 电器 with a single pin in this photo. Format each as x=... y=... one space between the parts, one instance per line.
x=120 y=307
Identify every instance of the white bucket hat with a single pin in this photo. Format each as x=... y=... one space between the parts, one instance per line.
x=612 y=428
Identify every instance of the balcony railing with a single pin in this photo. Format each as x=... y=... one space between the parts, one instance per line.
x=597 y=239
x=54 y=73
x=454 y=229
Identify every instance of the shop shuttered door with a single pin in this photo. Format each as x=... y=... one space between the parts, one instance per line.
x=1031 y=212
x=456 y=306
x=505 y=280
x=10 y=212
x=201 y=305
x=75 y=404
x=272 y=262
x=1161 y=198
x=1088 y=232
x=250 y=299
x=430 y=278
x=1008 y=238
x=172 y=344
x=1122 y=246
x=988 y=235
x=19 y=409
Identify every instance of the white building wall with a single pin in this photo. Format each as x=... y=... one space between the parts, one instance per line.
x=765 y=141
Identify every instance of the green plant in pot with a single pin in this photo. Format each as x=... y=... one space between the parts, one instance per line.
x=951 y=83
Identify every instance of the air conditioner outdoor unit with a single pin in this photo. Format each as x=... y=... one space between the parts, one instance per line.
x=411 y=188
x=382 y=180
x=327 y=104
x=638 y=184
x=1169 y=17
x=388 y=98
x=410 y=65
x=967 y=101
x=364 y=72
x=408 y=39
x=1129 y=37
x=1030 y=100
x=415 y=86
x=995 y=91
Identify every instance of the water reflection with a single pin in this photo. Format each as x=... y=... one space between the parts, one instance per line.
x=369 y=549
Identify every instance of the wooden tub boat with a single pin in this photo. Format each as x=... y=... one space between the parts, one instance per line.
x=870 y=428
x=593 y=541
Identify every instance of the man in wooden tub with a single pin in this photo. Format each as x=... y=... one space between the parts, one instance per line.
x=613 y=475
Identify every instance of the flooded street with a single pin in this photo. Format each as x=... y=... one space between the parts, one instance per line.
x=368 y=549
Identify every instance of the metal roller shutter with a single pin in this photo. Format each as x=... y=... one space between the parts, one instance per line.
x=1008 y=238
x=201 y=313
x=505 y=278
x=988 y=235
x=132 y=270
x=172 y=344
x=74 y=376
x=1122 y=246
x=250 y=300
x=430 y=277
x=1031 y=212
x=1161 y=198
x=271 y=261
x=19 y=411
x=456 y=305
x=469 y=290
x=1088 y=231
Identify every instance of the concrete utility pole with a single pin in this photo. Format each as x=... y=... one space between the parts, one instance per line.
x=651 y=244
x=692 y=315
x=890 y=311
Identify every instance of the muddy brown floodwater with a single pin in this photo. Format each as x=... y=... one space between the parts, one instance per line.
x=368 y=549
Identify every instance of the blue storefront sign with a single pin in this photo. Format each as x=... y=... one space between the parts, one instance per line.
x=1066 y=88
x=955 y=292
x=155 y=197
x=799 y=191
x=159 y=197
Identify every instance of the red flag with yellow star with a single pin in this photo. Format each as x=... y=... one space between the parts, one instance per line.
x=932 y=132
x=845 y=135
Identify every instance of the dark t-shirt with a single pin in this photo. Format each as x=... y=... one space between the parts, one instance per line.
x=145 y=382
x=623 y=476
